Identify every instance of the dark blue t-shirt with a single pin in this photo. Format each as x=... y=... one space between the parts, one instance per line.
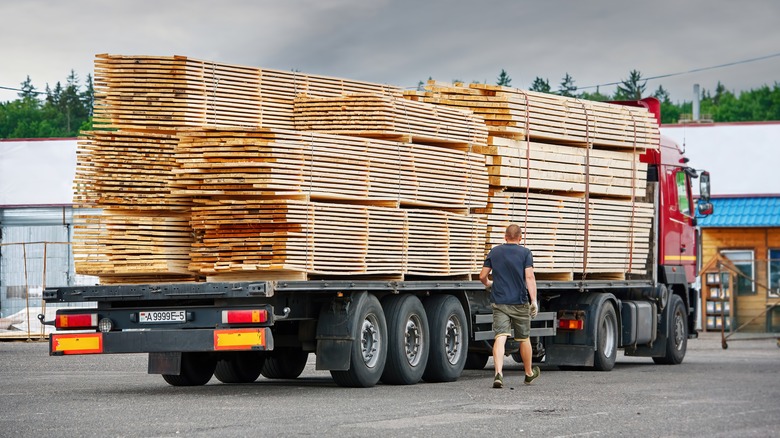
x=508 y=262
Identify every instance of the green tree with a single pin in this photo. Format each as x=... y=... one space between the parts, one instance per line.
x=88 y=95
x=541 y=85
x=662 y=94
x=504 y=79
x=597 y=96
x=632 y=88
x=28 y=91
x=567 y=87
x=62 y=113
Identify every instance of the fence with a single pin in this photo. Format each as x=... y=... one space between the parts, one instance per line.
x=26 y=269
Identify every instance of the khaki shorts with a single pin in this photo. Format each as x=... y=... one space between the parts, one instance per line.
x=512 y=316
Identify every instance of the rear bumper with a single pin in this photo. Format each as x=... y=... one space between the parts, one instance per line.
x=160 y=341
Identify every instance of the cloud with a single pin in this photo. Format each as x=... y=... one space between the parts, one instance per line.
x=402 y=42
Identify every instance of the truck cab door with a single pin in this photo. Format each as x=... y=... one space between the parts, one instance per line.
x=685 y=223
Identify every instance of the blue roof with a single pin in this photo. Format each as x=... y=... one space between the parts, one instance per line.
x=743 y=211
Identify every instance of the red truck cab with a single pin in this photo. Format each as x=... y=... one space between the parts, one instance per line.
x=677 y=240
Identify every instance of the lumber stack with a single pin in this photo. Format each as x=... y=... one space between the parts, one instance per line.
x=202 y=169
x=568 y=171
x=214 y=143
x=263 y=162
x=554 y=229
x=128 y=245
x=388 y=116
x=264 y=205
x=562 y=168
x=126 y=168
x=514 y=113
x=171 y=92
x=130 y=227
x=255 y=238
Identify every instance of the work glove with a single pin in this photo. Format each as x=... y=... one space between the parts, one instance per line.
x=534 y=310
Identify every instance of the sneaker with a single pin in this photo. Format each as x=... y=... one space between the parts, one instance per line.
x=530 y=379
x=498 y=382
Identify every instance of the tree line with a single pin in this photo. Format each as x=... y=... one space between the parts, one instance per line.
x=720 y=105
x=66 y=110
x=61 y=111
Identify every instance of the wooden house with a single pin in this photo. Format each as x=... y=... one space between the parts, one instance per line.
x=740 y=253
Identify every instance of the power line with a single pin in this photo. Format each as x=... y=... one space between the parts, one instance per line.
x=695 y=70
x=19 y=89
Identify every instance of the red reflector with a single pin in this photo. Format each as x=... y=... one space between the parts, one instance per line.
x=81 y=320
x=244 y=316
x=571 y=324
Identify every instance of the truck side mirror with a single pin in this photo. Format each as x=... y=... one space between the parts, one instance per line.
x=705 y=208
x=704 y=186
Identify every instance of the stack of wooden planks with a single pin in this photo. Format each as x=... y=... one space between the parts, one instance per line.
x=129 y=226
x=170 y=92
x=568 y=171
x=514 y=113
x=265 y=205
x=202 y=169
x=269 y=238
x=561 y=168
x=214 y=143
x=263 y=162
x=129 y=245
x=617 y=239
x=388 y=116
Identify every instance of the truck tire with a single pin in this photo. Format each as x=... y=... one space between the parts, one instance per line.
x=407 y=340
x=449 y=339
x=476 y=361
x=677 y=329
x=285 y=363
x=369 y=348
x=196 y=369
x=240 y=367
x=606 y=338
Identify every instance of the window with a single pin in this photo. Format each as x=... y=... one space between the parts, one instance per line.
x=683 y=202
x=774 y=272
x=743 y=261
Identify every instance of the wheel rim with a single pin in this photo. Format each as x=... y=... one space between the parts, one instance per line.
x=453 y=339
x=413 y=340
x=679 y=329
x=370 y=340
x=609 y=340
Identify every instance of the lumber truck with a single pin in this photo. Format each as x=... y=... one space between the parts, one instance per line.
x=399 y=332
x=242 y=219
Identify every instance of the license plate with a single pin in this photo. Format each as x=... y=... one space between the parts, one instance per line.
x=163 y=316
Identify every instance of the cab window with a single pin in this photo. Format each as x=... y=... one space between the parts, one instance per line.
x=683 y=201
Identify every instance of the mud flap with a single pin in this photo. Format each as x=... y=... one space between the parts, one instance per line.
x=165 y=363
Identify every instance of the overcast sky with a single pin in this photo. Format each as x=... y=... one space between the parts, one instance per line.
x=403 y=42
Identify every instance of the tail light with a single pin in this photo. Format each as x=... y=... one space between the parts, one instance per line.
x=76 y=321
x=571 y=324
x=252 y=316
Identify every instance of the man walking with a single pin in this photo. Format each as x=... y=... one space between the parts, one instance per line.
x=513 y=298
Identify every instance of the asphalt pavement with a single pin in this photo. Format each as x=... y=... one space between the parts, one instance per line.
x=714 y=393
